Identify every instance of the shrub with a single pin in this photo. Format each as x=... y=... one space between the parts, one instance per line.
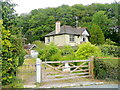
x=106 y=69
x=39 y=44
x=86 y=50
x=67 y=50
x=17 y=83
x=56 y=57
x=109 y=42
x=68 y=57
x=48 y=51
x=110 y=50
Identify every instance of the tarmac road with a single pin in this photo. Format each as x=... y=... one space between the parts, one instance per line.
x=101 y=86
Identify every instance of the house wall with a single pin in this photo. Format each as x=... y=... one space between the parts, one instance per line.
x=73 y=43
x=61 y=40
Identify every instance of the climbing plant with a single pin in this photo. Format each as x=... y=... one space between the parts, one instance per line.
x=12 y=47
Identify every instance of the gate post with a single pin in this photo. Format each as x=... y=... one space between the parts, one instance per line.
x=38 y=70
x=91 y=66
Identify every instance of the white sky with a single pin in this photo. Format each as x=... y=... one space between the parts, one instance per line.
x=25 y=6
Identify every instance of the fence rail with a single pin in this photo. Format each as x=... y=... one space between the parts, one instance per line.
x=66 y=61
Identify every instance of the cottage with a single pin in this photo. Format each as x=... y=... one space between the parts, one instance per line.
x=67 y=35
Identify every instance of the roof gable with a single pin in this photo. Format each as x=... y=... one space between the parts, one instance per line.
x=85 y=33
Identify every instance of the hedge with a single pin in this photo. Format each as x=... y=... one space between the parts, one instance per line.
x=110 y=50
x=106 y=68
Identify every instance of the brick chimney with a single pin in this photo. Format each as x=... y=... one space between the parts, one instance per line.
x=57 y=28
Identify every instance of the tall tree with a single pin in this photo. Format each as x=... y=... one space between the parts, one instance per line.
x=97 y=36
x=102 y=20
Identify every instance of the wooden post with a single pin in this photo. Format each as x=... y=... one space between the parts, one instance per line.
x=38 y=70
x=91 y=67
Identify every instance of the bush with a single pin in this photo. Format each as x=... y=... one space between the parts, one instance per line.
x=109 y=42
x=48 y=51
x=56 y=57
x=39 y=44
x=106 y=69
x=67 y=50
x=110 y=50
x=17 y=83
x=86 y=50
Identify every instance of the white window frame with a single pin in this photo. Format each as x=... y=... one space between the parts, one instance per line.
x=72 y=38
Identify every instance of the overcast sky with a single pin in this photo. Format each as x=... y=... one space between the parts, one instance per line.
x=25 y=6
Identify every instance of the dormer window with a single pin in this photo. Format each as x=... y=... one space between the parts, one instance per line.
x=72 y=38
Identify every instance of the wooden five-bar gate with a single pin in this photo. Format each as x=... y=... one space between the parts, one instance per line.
x=62 y=70
x=56 y=70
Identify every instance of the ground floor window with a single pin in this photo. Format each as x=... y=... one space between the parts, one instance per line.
x=48 y=39
x=72 y=38
x=84 y=39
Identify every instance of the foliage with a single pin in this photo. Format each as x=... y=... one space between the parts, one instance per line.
x=40 y=22
x=86 y=50
x=48 y=51
x=67 y=50
x=39 y=44
x=109 y=42
x=56 y=57
x=68 y=57
x=105 y=68
x=102 y=20
x=9 y=59
x=97 y=36
x=110 y=50
x=12 y=47
x=17 y=83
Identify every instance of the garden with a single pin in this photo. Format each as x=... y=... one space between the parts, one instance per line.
x=106 y=57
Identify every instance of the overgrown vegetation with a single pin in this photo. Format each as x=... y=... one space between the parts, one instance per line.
x=12 y=47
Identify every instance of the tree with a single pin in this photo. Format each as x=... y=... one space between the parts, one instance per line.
x=102 y=20
x=42 y=21
x=97 y=36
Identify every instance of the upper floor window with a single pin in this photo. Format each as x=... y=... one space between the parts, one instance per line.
x=72 y=39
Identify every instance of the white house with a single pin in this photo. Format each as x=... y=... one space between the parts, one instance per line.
x=67 y=35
